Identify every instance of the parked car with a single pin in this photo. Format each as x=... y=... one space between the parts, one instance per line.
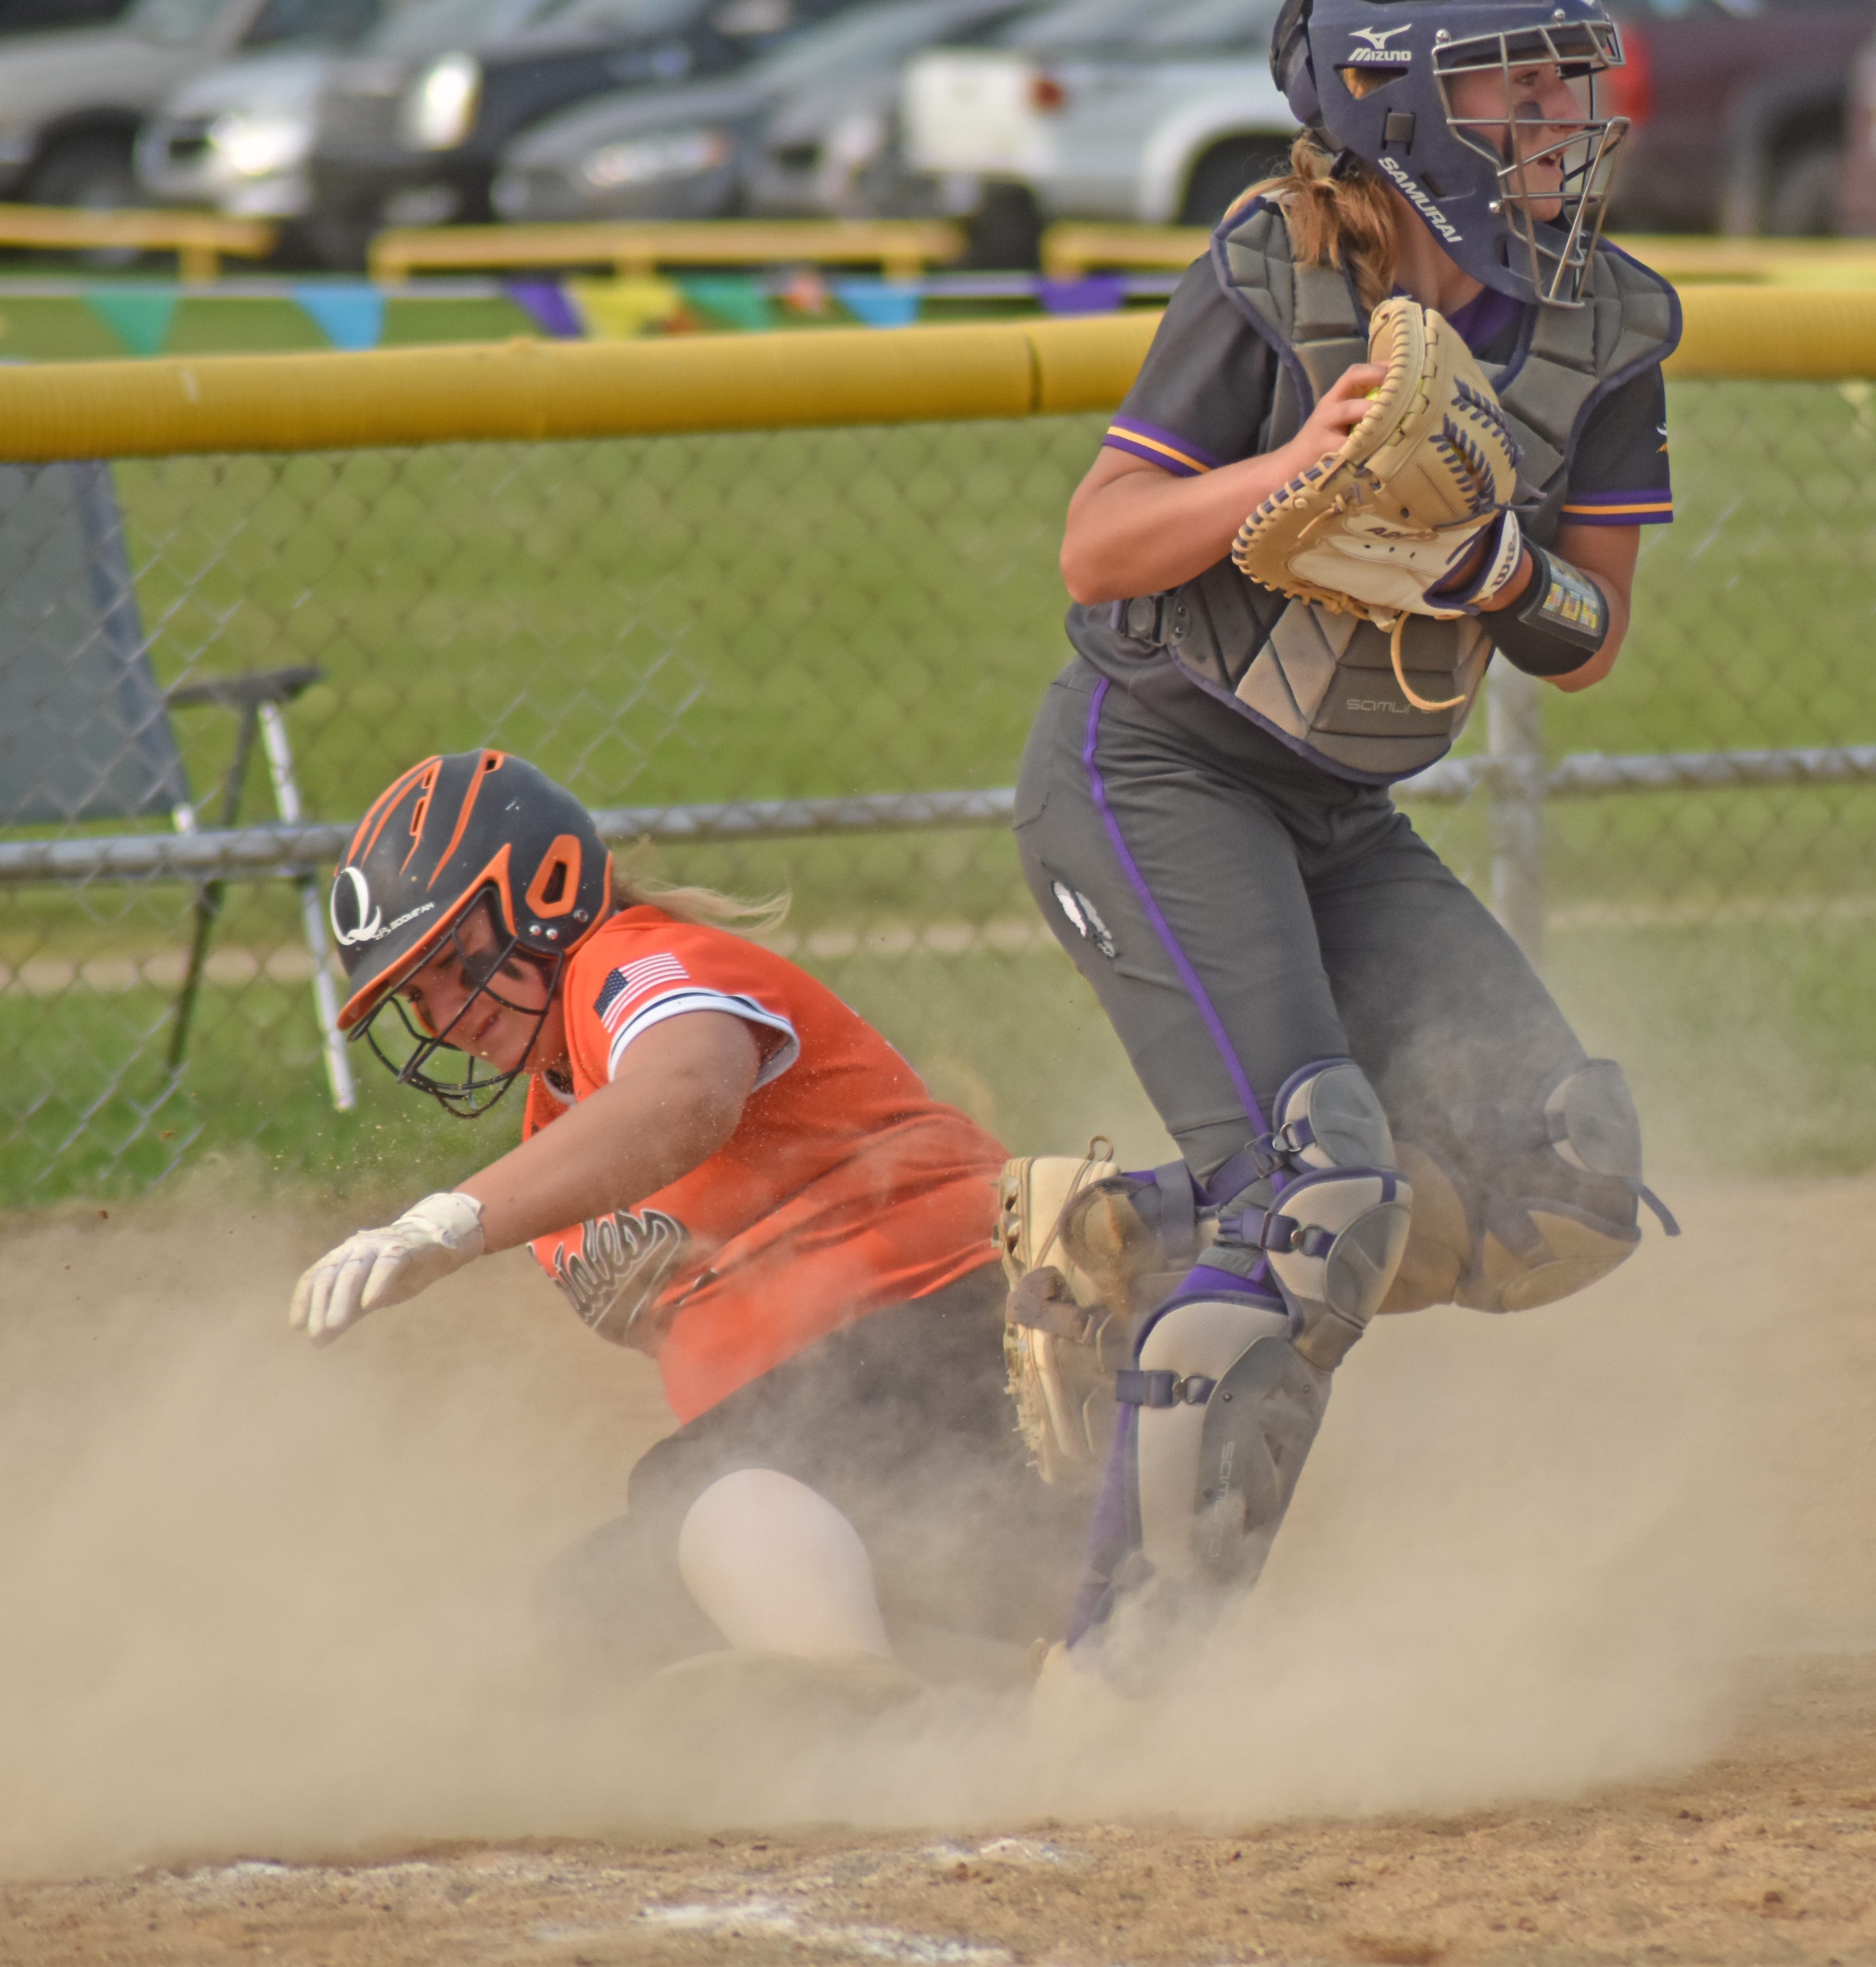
x=1096 y=110
x=237 y=137
x=416 y=142
x=808 y=129
x=1099 y=109
x=38 y=17
x=71 y=101
x=1740 y=110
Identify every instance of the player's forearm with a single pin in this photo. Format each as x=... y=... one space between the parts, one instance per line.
x=677 y=1099
x=1146 y=531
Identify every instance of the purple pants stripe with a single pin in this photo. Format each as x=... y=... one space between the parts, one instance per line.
x=1162 y=928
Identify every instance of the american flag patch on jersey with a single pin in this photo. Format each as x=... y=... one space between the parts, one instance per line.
x=631 y=982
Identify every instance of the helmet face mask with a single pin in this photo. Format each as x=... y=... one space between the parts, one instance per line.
x=1551 y=247
x=1522 y=218
x=480 y=856
x=481 y=962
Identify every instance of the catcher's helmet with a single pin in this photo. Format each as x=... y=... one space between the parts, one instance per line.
x=1470 y=195
x=469 y=827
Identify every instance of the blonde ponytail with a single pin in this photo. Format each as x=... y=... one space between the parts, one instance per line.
x=1350 y=222
x=632 y=888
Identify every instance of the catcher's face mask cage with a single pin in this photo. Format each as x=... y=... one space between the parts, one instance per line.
x=1552 y=247
x=1520 y=213
x=475 y=830
x=494 y=969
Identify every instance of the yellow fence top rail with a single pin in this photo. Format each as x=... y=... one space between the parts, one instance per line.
x=199 y=239
x=636 y=249
x=1791 y=263
x=529 y=389
x=534 y=390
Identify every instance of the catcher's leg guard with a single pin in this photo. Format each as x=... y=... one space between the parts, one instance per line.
x=1329 y=1211
x=1505 y=1251
x=1227 y=1410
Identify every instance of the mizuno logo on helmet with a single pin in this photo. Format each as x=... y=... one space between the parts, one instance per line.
x=1377 y=49
x=1424 y=205
x=368 y=928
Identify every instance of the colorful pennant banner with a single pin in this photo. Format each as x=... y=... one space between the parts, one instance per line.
x=879 y=303
x=349 y=317
x=350 y=314
x=139 y=317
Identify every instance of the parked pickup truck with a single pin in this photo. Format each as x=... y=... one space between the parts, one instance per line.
x=1739 y=112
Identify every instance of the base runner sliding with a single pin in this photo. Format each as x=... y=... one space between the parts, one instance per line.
x=1407 y=415
x=724 y=1166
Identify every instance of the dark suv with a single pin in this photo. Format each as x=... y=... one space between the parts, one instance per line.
x=1740 y=110
x=415 y=142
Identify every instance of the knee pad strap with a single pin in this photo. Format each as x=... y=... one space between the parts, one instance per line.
x=1133 y=1388
x=1334 y=1242
x=1331 y=1221
x=1327 y=1116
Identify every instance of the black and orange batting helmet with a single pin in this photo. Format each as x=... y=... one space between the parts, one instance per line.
x=468 y=828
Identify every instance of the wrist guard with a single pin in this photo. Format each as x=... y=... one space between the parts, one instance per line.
x=1498 y=567
x=1561 y=623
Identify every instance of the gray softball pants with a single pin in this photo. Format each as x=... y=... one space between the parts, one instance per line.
x=1241 y=914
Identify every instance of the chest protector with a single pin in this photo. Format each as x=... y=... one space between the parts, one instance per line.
x=1322 y=682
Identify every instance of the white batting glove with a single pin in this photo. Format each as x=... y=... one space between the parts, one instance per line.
x=379 y=1267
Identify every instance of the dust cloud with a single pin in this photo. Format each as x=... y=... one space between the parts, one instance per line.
x=264 y=1600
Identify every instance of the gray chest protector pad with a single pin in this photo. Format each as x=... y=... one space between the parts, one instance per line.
x=1323 y=683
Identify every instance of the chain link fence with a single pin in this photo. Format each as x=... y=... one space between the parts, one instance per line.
x=840 y=617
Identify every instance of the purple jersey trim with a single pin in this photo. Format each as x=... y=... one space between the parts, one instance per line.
x=1166 y=448
x=1097 y=787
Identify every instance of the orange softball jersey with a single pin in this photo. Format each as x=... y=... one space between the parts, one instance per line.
x=845 y=1188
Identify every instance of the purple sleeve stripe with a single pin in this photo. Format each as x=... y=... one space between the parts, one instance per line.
x=1136 y=447
x=1168 y=443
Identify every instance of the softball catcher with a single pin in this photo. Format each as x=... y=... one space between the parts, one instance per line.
x=723 y=1167
x=1406 y=416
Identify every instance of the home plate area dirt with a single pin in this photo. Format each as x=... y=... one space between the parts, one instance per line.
x=1766 y=1855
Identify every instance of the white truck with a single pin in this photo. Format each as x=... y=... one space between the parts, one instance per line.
x=1091 y=110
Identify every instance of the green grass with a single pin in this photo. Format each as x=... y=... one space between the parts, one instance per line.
x=826 y=612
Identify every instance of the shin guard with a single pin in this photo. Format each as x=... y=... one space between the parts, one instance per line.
x=1228 y=1409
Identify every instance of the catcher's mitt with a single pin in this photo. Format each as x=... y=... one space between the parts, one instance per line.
x=1081 y=1262
x=1433 y=464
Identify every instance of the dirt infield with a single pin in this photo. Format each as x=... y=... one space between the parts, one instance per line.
x=1569 y=1652
x=1768 y=1855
